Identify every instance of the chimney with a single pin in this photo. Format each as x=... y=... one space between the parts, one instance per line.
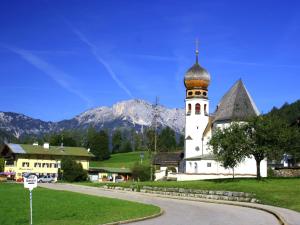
x=46 y=145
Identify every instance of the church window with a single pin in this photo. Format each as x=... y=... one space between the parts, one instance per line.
x=204 y=93
x=197 y=109
x=208 y=164
x=205 y=110
x=190 y=93
x=189 y=109
x=196 y=167
x=197 y=148
x=197 y=93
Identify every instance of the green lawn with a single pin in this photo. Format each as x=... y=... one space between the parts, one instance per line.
x=121 y=160
x=283 y=192
x=64 y=208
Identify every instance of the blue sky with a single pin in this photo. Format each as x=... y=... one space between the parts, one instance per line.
x=60 y=58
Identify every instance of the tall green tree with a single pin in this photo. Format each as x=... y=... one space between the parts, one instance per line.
x=72 y=171
x=117 y=141
x=1 y=164
x=166 y=140
x=268 y=136
x=98 y=142
x=104 y=145
x=180 y=143
x=228 y=145
x=126 y=146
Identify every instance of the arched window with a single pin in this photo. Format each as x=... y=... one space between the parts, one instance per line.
x=189 y=109
x=205 y=110
x=197 y=109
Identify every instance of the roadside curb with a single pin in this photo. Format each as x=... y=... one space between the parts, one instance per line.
x=137 y=219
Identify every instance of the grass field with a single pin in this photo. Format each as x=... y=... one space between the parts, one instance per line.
x=64 y=208
x=121 y=160
x=283 y=192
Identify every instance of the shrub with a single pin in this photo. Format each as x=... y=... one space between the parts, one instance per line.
x=72 y=171
x=141 y=172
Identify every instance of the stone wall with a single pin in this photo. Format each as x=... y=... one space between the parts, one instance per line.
x=192 y=193
x=287 y=172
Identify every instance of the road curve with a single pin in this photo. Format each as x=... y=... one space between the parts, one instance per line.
x=181 y=212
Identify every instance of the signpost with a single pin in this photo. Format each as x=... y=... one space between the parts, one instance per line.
x=142 y=157
x=30 y=182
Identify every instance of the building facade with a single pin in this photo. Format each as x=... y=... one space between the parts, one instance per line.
x=42 y=160
x=236 y=105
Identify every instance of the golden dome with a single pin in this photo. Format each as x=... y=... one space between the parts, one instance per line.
x=196 y=76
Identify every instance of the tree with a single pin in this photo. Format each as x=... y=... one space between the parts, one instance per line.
x=1 y=164
x=126 y=146
x=72 y=171
x=104 y=145
x=141 y=172
x=268 y=136
x=167 y=140
x=228 y=145
x=117 y=140
x=181 y=142
x=65 y=138
x=98 y=142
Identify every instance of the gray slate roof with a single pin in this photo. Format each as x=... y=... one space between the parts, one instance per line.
x=236 y=104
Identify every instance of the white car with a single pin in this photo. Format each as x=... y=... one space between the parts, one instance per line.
x=46 y=179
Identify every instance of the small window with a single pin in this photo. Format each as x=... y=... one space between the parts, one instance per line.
x=190 y=93
x=208 y=164
x=197 y=93
x=189 y=109
x=205 y=109
x=204 y=93
x=197 y=109
x=197 y=148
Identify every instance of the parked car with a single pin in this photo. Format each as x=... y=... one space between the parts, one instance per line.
x=119 y=179
x=46 y=179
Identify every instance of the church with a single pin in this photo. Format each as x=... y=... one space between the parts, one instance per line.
x=198 y=162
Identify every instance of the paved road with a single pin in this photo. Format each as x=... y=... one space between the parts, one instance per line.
x=181 y=212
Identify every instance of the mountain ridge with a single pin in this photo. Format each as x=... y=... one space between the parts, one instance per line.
x=128 y=114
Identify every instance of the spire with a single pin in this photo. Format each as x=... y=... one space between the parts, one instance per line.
x=197 y=51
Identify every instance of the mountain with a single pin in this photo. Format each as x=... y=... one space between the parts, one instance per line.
x=288 y=112
x=129 y=114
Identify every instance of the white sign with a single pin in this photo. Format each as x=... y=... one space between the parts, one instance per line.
x=30 y=182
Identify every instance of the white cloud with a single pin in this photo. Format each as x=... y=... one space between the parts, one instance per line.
x=60 y=77
x=94 y=51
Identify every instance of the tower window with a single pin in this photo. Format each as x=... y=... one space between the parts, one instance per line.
x=198 y=93
x=204 y=93
x=205 y=110
x=189 y=109
x=198 y=109
x=190 y=93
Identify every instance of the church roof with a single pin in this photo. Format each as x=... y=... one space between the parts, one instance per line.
x=236 y=104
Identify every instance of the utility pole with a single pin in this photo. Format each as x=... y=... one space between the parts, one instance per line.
x=154 y=125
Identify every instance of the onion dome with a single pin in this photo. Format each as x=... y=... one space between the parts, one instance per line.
x=196 y=77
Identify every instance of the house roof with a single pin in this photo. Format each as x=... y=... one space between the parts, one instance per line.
x=53 y=150
x=167 y=158
x=236 y=104
x=110 y=169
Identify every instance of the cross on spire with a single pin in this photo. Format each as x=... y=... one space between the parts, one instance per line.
x=197 y=51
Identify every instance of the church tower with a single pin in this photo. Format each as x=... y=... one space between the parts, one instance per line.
x=196 y=81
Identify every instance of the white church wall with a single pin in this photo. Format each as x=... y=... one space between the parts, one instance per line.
x=195 y=126
x=208 y=168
